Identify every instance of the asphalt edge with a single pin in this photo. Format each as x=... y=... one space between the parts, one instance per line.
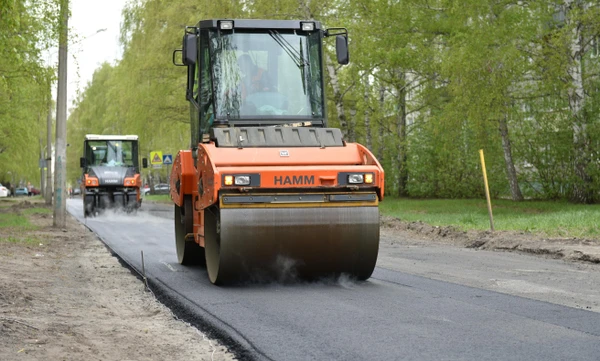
x=205 y=322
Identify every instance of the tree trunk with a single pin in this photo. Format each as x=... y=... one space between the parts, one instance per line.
x=368 y=137
x=352 y=125
x=48 y=194
x=42 y=180
x=402 y=173
x=381 y=133
x=511 y=172
x=337 y=96
x=582 y=189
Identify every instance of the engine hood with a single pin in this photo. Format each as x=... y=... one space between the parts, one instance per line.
x=112 y=176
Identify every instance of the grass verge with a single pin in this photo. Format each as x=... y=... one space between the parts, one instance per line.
x=549 y=218
x=21 y=240
x=158 y=198
x=14 y=220
x=15 y=225
x=36 y=211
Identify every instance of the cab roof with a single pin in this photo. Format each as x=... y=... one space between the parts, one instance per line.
x=110 y=137
x=259 y=24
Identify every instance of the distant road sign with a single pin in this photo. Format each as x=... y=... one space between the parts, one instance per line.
x=156 y=157
x=167 y=159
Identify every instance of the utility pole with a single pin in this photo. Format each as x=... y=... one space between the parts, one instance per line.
x=48 y=194
x=60 y=162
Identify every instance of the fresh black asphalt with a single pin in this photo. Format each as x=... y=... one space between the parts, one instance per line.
x=392 y=316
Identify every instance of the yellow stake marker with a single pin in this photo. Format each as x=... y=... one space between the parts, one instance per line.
x=487 y=189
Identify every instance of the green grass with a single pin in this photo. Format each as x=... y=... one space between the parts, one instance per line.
x=542 y=217
x=7 y=202
x=17 y=223
x=20 y=220
x=13 y=220
x=158 y=198
x=37 y=211
x=24 y=240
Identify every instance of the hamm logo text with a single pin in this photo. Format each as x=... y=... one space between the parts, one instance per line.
x=294 y=180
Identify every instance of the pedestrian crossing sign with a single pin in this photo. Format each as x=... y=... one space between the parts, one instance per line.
x=167 y=159
x=156 y=157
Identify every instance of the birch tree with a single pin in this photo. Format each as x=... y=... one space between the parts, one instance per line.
x=578 y=43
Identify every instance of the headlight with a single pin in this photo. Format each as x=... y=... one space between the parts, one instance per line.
x=226 y=24
x=91 y=181
x=242 y=180
x=129 y=181
x=308 y=26
x=355 y=179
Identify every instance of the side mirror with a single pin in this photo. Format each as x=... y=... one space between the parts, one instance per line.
x=190 y=49
x=341 y=49
x=82 y=162
x=144 y=162
x=174 y=55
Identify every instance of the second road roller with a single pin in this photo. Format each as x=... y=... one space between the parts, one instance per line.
x=267 y=188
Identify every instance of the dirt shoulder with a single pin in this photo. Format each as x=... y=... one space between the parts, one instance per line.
x=64 y=296
x=573 y=249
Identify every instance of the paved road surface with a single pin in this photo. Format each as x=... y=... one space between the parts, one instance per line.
x=393 y=316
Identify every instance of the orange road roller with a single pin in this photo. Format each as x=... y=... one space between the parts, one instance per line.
x=267 y=191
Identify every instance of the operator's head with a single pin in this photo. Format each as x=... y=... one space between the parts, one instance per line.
x=246 y=64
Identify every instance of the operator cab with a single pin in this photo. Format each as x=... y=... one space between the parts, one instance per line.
x=252 y=73
x=110 y=151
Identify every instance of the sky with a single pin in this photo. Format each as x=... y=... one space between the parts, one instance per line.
x=90 y=46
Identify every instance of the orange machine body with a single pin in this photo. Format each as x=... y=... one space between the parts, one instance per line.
x=280 y=170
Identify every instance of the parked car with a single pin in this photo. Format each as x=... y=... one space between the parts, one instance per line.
x=161 y=188
x=76 y=191
x=4 y=192
x=21 y=191
x=35 y=191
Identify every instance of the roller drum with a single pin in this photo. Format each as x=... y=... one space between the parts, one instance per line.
x=259 y=244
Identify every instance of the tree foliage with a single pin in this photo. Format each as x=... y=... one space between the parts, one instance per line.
x=429 y=84
x=24 y=86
